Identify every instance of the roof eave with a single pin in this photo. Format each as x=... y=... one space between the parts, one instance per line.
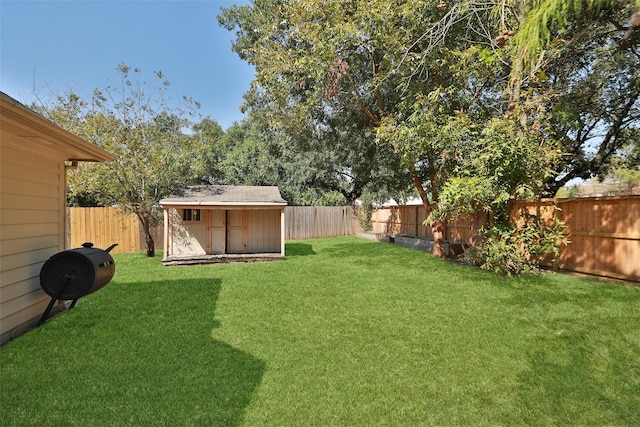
x=35 y=126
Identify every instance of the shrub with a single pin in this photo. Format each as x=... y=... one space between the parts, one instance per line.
x=365 y=211
x=513 y=249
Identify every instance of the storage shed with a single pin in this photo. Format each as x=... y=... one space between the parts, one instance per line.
x=223 y=223
x=34 y=157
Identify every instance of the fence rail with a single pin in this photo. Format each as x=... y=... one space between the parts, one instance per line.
x=105 y=226
x=604 y=231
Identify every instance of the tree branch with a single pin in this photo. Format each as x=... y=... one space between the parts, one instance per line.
x=378 y=94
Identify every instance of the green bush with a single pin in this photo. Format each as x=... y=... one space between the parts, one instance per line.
x=510 y=249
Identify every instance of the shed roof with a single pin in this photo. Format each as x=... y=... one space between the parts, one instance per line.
x=226 y=195
x=42 y=135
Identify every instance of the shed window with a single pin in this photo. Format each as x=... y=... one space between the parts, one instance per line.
x=191 y=215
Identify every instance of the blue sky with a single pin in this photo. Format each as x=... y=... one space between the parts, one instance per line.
x=49 y=47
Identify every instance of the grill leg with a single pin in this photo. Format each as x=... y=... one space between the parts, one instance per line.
x=47 y=311
x=53 y=300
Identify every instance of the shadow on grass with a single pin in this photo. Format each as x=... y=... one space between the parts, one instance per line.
x=140 y=354
x=298 y=249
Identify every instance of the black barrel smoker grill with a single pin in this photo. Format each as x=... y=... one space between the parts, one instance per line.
x=74 y=273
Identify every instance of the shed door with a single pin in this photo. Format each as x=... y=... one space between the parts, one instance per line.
x=237 y=232
x=217 y=228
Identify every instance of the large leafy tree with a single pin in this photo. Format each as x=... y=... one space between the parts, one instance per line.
x=564 y=71
x=574 y=62
x=580 y=60
x=347 y=160
x=138 y=123
x=324 y=61
x=301 y=89
x=209 y=134
x=256 y=154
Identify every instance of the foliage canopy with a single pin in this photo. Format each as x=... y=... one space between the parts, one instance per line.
x=475 y=99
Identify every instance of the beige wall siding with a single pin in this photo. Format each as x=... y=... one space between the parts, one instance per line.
x=263 y=229
x=32 y=215
x=234 y=231
x=237 y=232
x=186 y=238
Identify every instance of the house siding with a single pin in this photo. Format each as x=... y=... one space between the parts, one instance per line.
x=32 y=210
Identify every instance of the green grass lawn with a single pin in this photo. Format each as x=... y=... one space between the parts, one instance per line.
x=345 y=332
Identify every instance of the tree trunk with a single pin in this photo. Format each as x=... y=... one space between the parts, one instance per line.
x=148 y=239
x=151 y=247
x=437 y=227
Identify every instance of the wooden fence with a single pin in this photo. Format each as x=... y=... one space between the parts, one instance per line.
x=308 y=222
x=604 y=232
x=407 y=221
x=105 y=226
